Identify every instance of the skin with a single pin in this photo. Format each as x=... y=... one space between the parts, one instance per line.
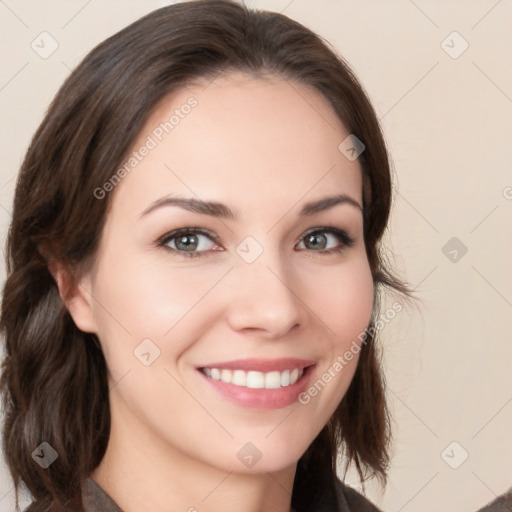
x=264 y=148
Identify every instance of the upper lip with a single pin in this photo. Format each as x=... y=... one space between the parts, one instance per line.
x=262 y=365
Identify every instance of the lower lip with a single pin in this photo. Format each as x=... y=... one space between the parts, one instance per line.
x=261 y=398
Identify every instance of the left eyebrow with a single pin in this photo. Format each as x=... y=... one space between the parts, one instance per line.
x=216 y=209
x=328 y=202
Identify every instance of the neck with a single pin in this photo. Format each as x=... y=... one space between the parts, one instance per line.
x=141 y=472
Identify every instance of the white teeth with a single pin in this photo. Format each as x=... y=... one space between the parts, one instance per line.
x=225 y=376
x=272 y=380
x=255 y=380
x=239 y=378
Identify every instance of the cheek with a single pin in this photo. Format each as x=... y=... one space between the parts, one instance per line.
x=342 y=298
x=136 y=301
x=344 y=302
x=351 y=313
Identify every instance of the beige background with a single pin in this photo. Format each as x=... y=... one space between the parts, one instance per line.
x=448 y=124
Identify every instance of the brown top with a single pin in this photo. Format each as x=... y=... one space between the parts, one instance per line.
x=502 y=503
x=344 y=499
x=95 y=499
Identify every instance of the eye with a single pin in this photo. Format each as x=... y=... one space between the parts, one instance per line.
x=318 y=239
x=186 y=241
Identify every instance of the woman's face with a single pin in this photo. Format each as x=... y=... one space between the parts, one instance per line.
x=253 y=297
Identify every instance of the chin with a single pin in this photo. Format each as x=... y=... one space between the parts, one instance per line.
x=263 y=457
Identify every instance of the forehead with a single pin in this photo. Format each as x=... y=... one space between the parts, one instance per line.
x=241 y=140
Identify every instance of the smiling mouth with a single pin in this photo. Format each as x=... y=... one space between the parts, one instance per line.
x=254 y=379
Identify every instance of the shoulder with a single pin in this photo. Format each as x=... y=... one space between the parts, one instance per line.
x=93 y=499
x=351 y=501
x=38 y=506
x=502 y=503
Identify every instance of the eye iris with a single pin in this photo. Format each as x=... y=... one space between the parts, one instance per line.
x=314 y=240
x=188 y=246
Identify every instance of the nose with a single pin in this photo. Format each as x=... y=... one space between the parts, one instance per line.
x=264 y=298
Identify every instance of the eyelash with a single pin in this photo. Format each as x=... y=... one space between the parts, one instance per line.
x=346 y=240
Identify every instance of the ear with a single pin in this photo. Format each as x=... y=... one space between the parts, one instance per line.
x=75 y=294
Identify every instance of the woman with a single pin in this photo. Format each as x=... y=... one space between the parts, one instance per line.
x=194 y=272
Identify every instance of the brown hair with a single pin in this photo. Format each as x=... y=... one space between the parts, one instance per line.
x=54 y=377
